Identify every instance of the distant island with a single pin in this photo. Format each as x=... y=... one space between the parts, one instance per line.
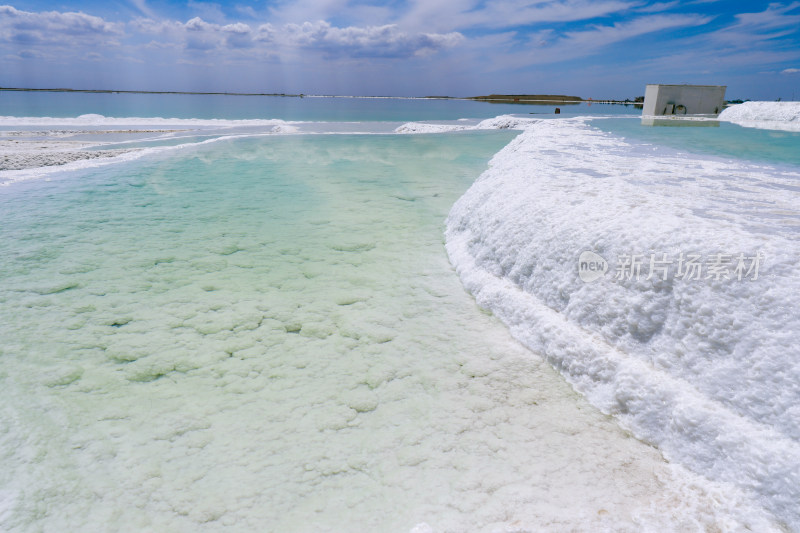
x=528 y=98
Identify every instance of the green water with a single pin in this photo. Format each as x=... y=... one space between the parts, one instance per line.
x=213 y=336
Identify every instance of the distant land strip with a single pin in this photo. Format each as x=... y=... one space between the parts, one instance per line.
x=525 y=98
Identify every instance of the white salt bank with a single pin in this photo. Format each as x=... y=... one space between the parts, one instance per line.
x=766 y=115
x=702 y=364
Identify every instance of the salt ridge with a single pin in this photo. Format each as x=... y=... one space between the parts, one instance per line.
x=501 y=122
x=703 y=369
x=7 y=177
x=276 y=126
x=764 y=115
x=100 y=120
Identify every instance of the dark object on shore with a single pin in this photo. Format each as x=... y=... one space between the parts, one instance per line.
x=558 y=111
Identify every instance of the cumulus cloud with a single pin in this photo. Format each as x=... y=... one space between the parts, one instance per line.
x=238 y=35
x=790 y=71
x=369 y=41
x=200 y=35
x=53 y=27
x=197 y=35
x=198 y=24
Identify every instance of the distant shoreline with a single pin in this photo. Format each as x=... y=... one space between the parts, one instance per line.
x=110 y=91
x=494 y=98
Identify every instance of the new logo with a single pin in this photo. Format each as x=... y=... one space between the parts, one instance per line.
x=591 y=266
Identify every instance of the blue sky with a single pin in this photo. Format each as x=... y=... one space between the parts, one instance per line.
x=588 y=48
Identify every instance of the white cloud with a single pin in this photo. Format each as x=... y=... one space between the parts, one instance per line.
x=372 y=41
x=198 y=24
x=266 y=33
x=548 y=47
x=790 y=71
x=238 y=28
x=320 y=36
x=752 y=29
x=520 y=13
x=53 y=27
x=238 y=35
x=458 y=15
x=167 y=29
x=690 y=61
x=753 y=41
x=658 y=7
x=775 y=16
x=604 y=35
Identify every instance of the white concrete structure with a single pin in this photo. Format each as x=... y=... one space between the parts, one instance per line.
x=683 y=100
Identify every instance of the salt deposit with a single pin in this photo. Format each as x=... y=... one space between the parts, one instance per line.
x=19 y=155
x=766 y=115
x=100 y=120
x=503 y=122
x=704 y=368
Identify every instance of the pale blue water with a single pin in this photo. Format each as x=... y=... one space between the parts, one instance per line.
x=724 y=139
x=35 y=104
x=286 y=300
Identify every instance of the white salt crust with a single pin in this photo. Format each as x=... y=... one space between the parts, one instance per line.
x=704 y=369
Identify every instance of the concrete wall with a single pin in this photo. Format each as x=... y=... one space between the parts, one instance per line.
x=695 y=99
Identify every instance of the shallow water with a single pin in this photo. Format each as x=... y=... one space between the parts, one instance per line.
x=720 y=139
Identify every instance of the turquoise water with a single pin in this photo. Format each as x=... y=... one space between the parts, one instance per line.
x=35 y=104
x=277 y=300
x=266 y=334
x=724 y=139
